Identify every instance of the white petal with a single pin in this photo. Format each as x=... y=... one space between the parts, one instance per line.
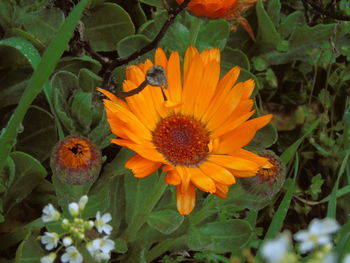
x=322 y=240
x=107 y=229
x=302 y=235
x=330 y=258
x=324 y=227
x=106 y=217
x=306 y=246
x=67 y=241
x=73 y=209
x=274 y=250
x=347 y=259
x=50 y=258
x=83 y=201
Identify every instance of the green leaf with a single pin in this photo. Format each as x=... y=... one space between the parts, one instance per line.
x=75 y=64
x=81 y=108
x=39 y=135
x=165 y=221
x=29 y=173
x=25 y=47
x=88 y=81
x=63 y=84
x=44 y=24
x=218 y=30
x=290 y=23
x=267 y=38
x=274 y=11
x=106 y=25
x=156 y=3
x=316 y=184
x=120 y=245
x=29 y=251
x=233 y=57
x=38 y=79
x=288 y=154
x=130 y=44
x=67 y=193
x=264 y=138
x=220 y=237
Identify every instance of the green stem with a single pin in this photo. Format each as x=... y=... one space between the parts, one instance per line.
x=37 y=81
x=131 y=232
x=165 y=246
x=194 y=31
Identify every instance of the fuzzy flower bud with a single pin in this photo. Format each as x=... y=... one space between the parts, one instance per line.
x=76 y=160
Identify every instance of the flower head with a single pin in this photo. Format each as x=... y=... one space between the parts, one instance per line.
x=199 y=141
x=318 y=233
x=67 y=241
x=231 y=10
x=101 y=223
x=100 y=248
x=268 y=180
x=72 y=255
x=50 y=240
x=50 y=258
x=275 y=250
x=76 y=160
x=73 y=209
x=50 y=214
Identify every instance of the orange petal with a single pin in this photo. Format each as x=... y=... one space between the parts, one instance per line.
x=141 y=167
x=202 y=181
x=174 y=77
x=217 y=173
x=172 y=178
x=185 y=201
x=160 y=58
x=191 y=52
x=221 y=190
x=261 y=161
x=146 y=151
x=241 y=136
x=234 y=162
x=248 y=88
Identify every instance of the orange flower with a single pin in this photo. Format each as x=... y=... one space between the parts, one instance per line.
x=75 y=160
x=231 y=10
x=198 y=143
x=210 y=8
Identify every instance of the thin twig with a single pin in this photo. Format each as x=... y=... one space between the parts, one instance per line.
x=328 y=13
x=172 y=13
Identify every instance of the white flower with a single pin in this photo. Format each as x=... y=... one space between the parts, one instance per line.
x=318 y=233
x=72 y=255
x=50 y=258
x=50 y=213
x=73 y=209
x=101 y=225
x=347 y=259
x=67 y=241
x=100 y=248
x=276 y=249
x=82 y=202
x=50 y=240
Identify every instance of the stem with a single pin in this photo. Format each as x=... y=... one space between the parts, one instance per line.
x=165 y=246
x=131 y=232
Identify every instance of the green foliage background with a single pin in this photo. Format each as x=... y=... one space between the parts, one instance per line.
x=48 y=76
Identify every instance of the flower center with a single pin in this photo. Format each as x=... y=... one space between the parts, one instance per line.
x=182 y=140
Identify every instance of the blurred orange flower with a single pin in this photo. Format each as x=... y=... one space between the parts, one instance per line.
x=231 y=10
x=198 y=142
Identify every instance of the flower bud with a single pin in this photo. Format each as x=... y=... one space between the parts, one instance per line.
x=67 y=241
x=268 y=181
x=82 y=202
x=73 y=209
x=76 y=160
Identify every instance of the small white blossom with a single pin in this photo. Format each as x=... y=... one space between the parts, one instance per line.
x=82 y=202
x=72 y=255
x=318 y=233
x=100 y=248
x=67 y=241
x=73 y=209
x=50 y=213
x=347 y=259
x=91 y=224
x=276 y=249
x=50 y=240
x=101 y=223
x=50 y=258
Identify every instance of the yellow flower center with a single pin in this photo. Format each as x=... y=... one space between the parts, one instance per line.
x=182 y=140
